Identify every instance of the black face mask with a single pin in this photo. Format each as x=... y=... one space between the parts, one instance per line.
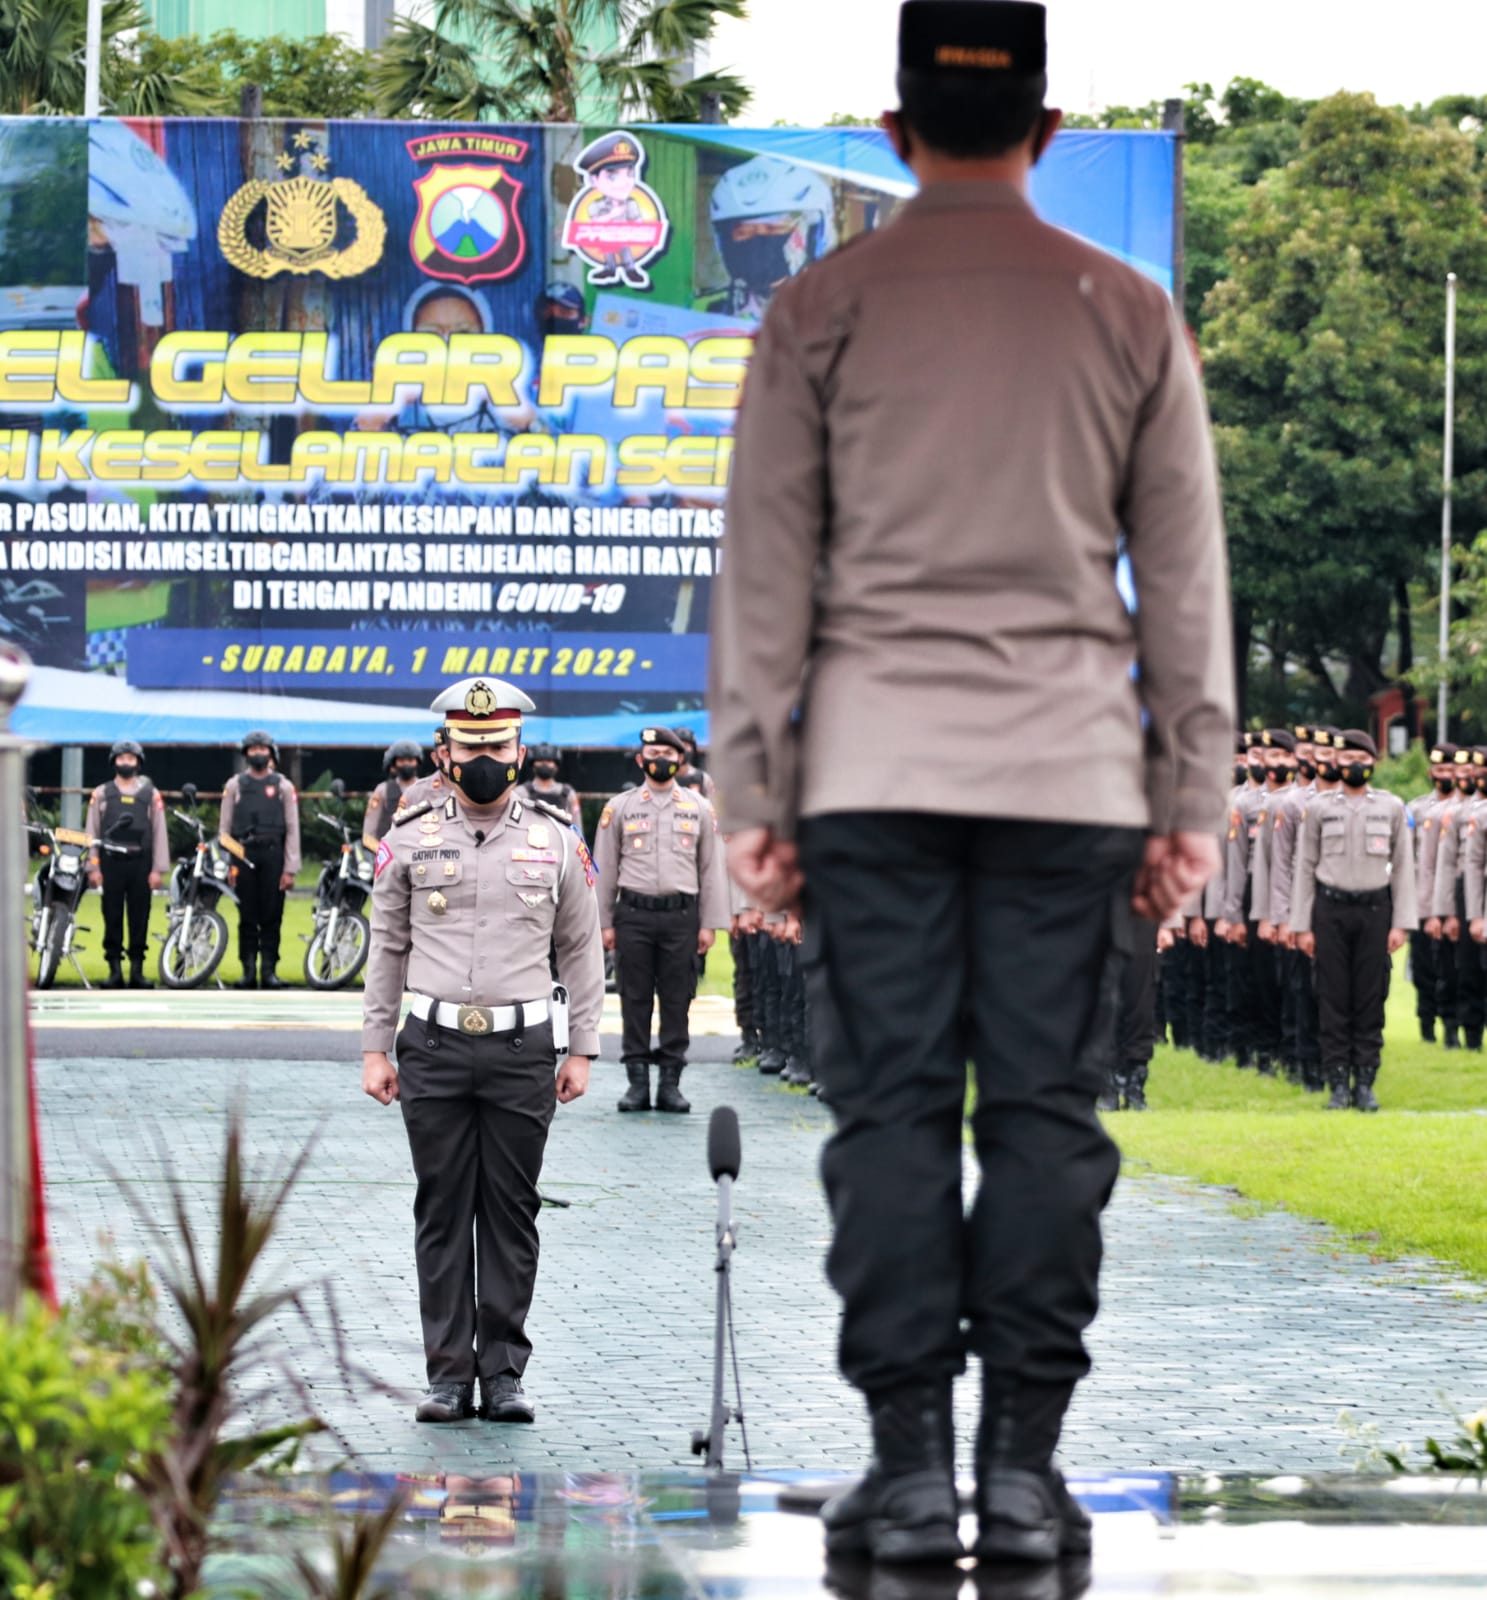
x=1356 y=775
x=545 y=769
x=1328 y=771
x=1444 y=785
x=259 y=763
x=1240 y=772
x=662 y=768
x=1466 y=785
x=1257 y=772
x=1307 y=769
x=484 y=779
x=406 y=770
x=126 y=769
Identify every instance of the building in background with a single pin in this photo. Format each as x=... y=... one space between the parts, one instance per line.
x=363 y=22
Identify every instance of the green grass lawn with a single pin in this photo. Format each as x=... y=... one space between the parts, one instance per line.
x=1410 y=1181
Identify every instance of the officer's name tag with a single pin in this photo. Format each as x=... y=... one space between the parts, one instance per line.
x=534 y=855
x=436 y=855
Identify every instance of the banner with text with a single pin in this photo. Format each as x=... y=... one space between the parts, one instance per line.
x=300 y=420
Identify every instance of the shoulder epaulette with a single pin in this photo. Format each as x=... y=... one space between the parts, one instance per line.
x=553 y=811
x=408 y=813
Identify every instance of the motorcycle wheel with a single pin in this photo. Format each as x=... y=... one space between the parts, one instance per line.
x=191 y=966
x=334 y=966
x=51 y=951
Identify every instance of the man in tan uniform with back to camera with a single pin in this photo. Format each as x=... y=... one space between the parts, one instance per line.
x=475 y=890
x=949 y=427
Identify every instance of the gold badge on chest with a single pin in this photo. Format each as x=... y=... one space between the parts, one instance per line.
x=537 y=835
x=438 y=904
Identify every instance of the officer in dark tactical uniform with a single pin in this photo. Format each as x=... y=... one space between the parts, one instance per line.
x=127 y=811
x=261 y=811
x=544 y=784
x=400 y=763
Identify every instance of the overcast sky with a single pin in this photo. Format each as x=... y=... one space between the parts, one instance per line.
x=809 y=58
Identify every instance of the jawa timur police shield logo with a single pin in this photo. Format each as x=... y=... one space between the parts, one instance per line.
x=616 y=222
x=468 y=228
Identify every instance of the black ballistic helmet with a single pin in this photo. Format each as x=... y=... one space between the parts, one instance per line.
x=258 y=736
x=401 y=750
x=125 y=747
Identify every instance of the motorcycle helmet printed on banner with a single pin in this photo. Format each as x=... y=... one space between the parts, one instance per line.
x=771 y=219
x=561 y=310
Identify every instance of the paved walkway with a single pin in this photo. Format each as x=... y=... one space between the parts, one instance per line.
x=1228 y=1340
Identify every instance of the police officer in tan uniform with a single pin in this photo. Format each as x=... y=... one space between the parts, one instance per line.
x=948 y=427
x=128 y=812
x=1459 y=965
x=1425 y=810
x=400 y=762
x=472 y=893
x=663 y=893
x=1352 y=907
x=261 y=811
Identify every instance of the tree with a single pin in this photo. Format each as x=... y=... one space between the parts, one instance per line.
x=534 y=61
x=319 y=77
x=1323 y=356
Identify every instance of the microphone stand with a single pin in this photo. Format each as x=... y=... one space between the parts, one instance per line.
x=710 y=1444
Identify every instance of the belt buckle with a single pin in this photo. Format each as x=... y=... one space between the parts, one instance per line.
x=474 y=1019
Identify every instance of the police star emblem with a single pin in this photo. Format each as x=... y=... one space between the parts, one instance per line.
x=480 y=701
x=303 y=220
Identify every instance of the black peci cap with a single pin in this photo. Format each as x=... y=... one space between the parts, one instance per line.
x=986 y=37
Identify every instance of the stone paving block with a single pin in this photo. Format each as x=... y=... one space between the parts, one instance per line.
x=1226 y=1339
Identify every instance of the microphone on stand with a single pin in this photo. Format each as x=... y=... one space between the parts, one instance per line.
x=724 y=1157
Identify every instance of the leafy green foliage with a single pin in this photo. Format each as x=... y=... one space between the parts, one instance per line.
x=1405 y=775
x=1467 y=1452
x=77 y=1419
x=1323 y=353
x=533 y=61
x=323 y=76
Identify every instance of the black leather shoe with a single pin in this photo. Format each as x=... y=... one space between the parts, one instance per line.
x=669 y=1095
x=247 y=981
x=1363 y=1098
x=447 y=1402
x=504 y=1400
x=905 y=1511
x=272 y=980
x=1341 y=1100
x=638 y=1096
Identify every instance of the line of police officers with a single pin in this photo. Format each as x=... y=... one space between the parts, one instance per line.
x=1283 y=962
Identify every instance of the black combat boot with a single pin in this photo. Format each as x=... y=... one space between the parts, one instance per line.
x=1427 y=1030
x=115 y=979
x=1025 y=1510
x=771 y=1061
x=1363 y=1095
x=137 y=978
x=1471 y=1039
x=748 y=1047
x=249 y=979
x=1342 y=1095
x=1135 y=1092
x=797 y=1073
x=271 y=979
x=1450 y=1037
x=638 y=1096
x=1110 y=1095
x=905 y=1510
x=669 y=1095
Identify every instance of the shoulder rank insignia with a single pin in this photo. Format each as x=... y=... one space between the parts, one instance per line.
x=551 y=810
x=408 y=813
x=606 y=816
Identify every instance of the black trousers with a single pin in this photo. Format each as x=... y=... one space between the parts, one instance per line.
x=1285 y=980
x=743 y=983
x=261 y=904
x=1136 y=1032
x=792 y=998
x=1352 y=965
x=657 y=966
x=1175 y=991
x=126 y=889
x=1465 y=955
x=1423 y=970
x=931 y=939
x=1215 y=974
x=1241 y=1008
x=477 y=1111
x=767 y=1013
x=1308 y=1020
x=1265 y=1039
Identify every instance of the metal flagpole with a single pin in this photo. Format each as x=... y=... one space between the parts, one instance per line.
x=1447 y=474
x=93 y=61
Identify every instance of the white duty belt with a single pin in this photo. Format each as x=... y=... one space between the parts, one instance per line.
x=479 y=1020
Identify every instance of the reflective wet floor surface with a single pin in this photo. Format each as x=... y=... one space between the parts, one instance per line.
x=614 y=1536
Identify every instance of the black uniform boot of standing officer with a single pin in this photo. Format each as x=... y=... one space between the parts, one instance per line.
x=272 y=980
x=1024 y=1508
x=249 y=979
x=1342 y=1097
x=137 y=978
x=747 y=1048
x=905 y=1510
x=115 y=979
x=638 y=1096
x=669 y=1095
